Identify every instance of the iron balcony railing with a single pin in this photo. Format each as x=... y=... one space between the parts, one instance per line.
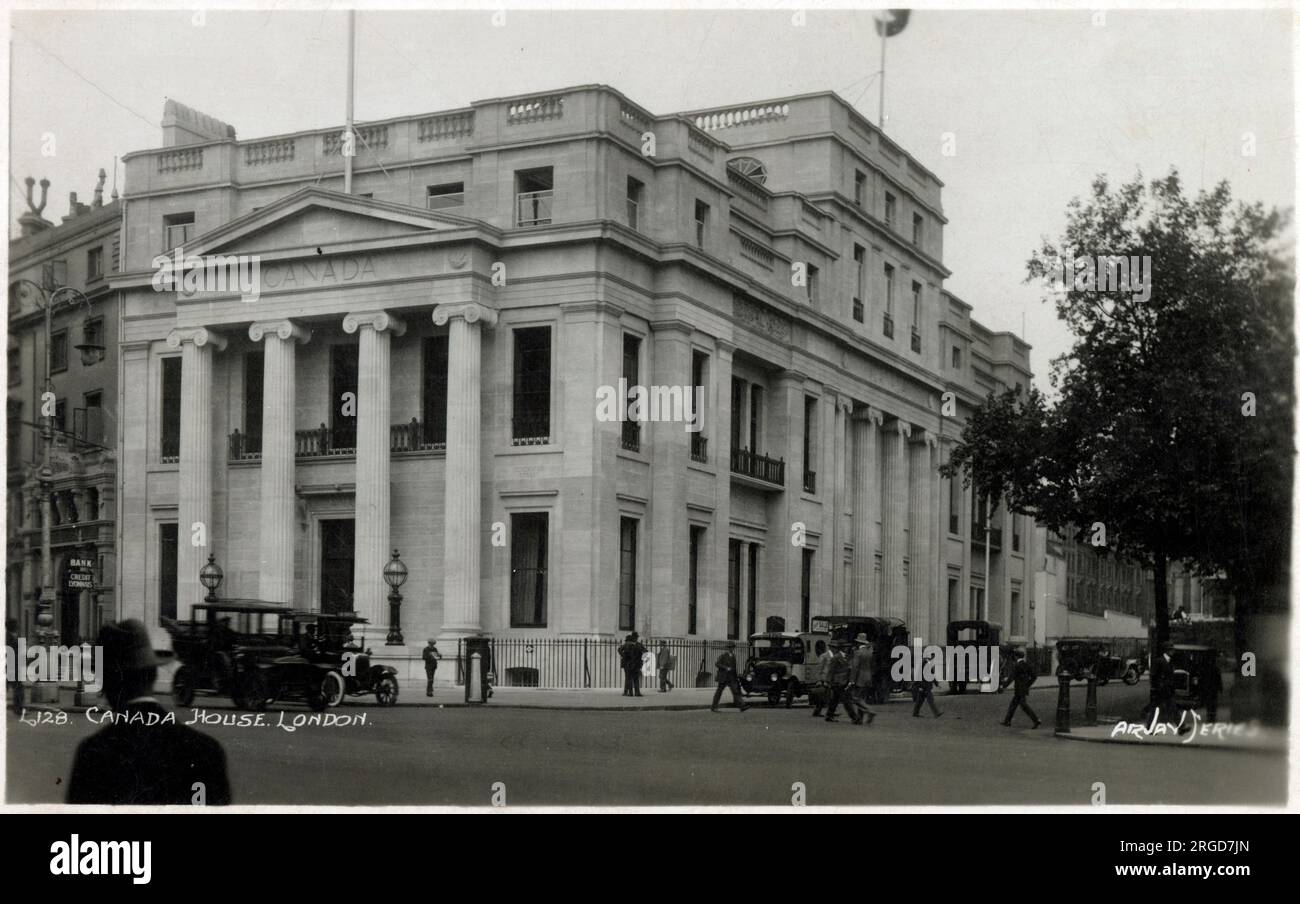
x=531 y=430
x=809 y=481
x=417 y=436
x=324 y=440
x=916 y=340
x=245 y=446
x=533 y=208
x=631 y=437
x=699 y=448
x=759 y=467
x=412 y=436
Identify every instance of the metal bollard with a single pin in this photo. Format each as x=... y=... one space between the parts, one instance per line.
x=1090 y=707
x=1063 y=705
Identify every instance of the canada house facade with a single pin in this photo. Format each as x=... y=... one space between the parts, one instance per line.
x=422 y=366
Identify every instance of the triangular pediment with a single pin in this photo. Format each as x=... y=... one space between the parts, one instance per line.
x=317 y=218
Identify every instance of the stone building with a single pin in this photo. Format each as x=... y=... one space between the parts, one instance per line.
x=80 y=252
x=422 y=365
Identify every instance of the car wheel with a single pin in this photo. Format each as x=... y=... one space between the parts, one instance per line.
x=183 y=686
x=386 y=691
x=1131 y=676
x=329 y=693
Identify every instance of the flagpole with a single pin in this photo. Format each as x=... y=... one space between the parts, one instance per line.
x=881 y=119
x=349 y=148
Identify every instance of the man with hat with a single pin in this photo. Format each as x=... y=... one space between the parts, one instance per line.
x=726 y=669
x=1163 y=706
x=142 y=756
x=862 y=677
x=1024 y=677
x=836 y=677
x=431 y=657
x=631 y=653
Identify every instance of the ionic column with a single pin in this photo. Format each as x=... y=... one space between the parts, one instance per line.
x=919 y=566
x=712 y=614
x=866 y=510
x=894 y=520
x=938 y=543
x=195 y=478
x=374 y=422
x=838 y=505
x=462 y=529
x=276 y=506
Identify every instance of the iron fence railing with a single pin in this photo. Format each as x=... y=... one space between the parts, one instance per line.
x=760 y=467
x=595 y=662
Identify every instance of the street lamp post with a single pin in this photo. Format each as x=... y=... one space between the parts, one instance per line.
x=90 y=353
x=395 y=576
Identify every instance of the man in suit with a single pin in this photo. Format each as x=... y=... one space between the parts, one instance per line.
x=1163 y=706
x=431 y=657
x=727 y=677
x=820 y=694
x=862 y=677
x=142 y=756
x=664 y=662
x=837 y=679
x=631 y=653
x=1023 y=676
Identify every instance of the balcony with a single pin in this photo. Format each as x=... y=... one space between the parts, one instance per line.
x=245 y=446
x=413 y=436
x=631 y=436
x=977 y=533
x=533 y=208
x=416 y=436
x=699 y=448
x=531 y=430
x=765 y=470
x=809 y=481
x=325 y=441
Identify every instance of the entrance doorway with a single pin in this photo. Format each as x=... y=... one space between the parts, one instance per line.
x=338 y=538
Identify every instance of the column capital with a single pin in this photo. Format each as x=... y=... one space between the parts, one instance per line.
x=921 y=436
x=470 y=311
x=380 y=321
x=200 y=336
x=283 y=329
x=873 y=416
x=903 y=427
x=843 y=403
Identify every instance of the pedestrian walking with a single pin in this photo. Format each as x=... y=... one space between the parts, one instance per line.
x=11 y=653
x=862 y=677
x=143 y=756
x=431 y=657
x=631 y=652
x=819 y=695
x=727 y=677
x=837 y=680
x=1023 y=677
x=666 y=662
x=1163 y=688
x=923 y=692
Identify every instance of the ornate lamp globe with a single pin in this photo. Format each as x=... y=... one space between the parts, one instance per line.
x=210 y=576
x=395 y=571
x=91 y=351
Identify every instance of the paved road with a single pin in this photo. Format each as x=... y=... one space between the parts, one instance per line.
x=415 y=756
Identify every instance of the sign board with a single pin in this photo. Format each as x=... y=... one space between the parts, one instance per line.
x=80 y=574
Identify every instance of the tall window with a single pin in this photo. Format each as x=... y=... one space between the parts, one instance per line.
x=532 y=389
x=534 y=196
x=528 y=569
x=809 y=431
x=94 y=263
x=889 y=301
x=14 y=435
x=954 y=600
x=634 y=191
x=344 y=364
x=170 y=428
x=751 y=590
x=167 y=558
x=737 y=411
x=956 y=357
x=449 y=196
x=93 y=429
x=918 y=229
x=805 y=590
x=338 y=564
x=859 y=188
x=891 y=209
x=755 y=415
x=733 y=589
x=859 y=282
x=627 y=574
x=434 y=363
x=254 y=372
x=699 y=380
x=693 y=587
x=916 y=316
x=1016 y=628
x=954 y=505
x=977 y=603
x=701 y=222
x=58 y=351
x=632 y=374
x=1015 y=533
x=178 y=228
x=812 y=285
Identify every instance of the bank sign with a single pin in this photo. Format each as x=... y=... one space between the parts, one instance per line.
x=80 y=574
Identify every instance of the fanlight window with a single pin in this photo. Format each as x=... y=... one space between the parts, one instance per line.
x=750 y=167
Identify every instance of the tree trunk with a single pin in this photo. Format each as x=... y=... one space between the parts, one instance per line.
x=1162 y=601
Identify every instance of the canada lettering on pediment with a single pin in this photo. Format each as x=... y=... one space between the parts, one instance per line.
x=761 y=318
x=312 y=273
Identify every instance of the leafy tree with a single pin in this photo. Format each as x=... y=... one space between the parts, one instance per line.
x=1171 y=423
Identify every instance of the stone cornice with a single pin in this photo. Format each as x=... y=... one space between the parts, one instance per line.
x=470 y=311
x=283 y=329
x=379 y=321
x=200 y=336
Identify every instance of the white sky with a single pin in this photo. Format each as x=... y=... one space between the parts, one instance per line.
x=1039 y=101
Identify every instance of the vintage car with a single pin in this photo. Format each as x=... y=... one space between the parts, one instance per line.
x=222 y=642
x=884 y=634
x=1079 y=656
x=782 y=663
x=325 y=666
x=982 y=634
x=1197 y=674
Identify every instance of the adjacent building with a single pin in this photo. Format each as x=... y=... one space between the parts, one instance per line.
x=422 y=363
x=82 y=252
